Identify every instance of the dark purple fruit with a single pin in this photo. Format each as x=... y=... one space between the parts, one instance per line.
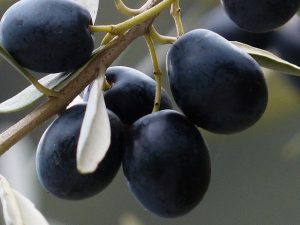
x=260 y=15
x=56 y=157
x=47 y=36
x=131 y=95
x=166 y=163
x=218 y=21
x=218 y=86
x=287 y=45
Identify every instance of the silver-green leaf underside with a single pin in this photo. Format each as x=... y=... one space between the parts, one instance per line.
x=24 y=72
x=30 y=95
x=17 y=209
x=94 y=139
x=268 y=60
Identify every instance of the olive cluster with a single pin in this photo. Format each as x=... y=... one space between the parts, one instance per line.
x=216 y=85
x=165 y=159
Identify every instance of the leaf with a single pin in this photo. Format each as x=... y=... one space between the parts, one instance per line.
x=76 y=100
x=30 y=214
x=94 y=139
x=269 y=60
x=25 y=73
x=91 y=5
x=17 y=209
x=30 y=95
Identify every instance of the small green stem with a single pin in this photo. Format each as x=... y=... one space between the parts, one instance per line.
x=28 y=76
x=161 y=39
x=104 y=28
x=106 y=85
x=175 y=12
x=107 y=38
x=127 y=24
x=121 y=7
x=46 y=91
x=156 y=71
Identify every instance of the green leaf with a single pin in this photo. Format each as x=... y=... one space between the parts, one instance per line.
x=95 y=133
x=268 y=60
x=25 y=73
x=31 y=95
x=17 y=209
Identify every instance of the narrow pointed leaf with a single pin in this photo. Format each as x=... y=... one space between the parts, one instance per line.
x=91 y=5
x=94 y=139
x=268 y=60
x=11 y=212
x=22 y=71
x=30 y=95
x=30 y=215
x=17 y=209
x=76 y=100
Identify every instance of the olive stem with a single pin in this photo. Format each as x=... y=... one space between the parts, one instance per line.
x=27 y=75
x=156 y=71
x=54 y=106
x=43 y=89
x=127 y=24
x=106 y=84
x=161 y=39
x=107 y=38
x=122 y=8
x=176 y=14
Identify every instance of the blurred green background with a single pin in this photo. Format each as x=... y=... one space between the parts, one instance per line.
x=255 y=174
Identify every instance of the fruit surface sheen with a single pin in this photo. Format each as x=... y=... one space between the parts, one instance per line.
x=260 y=15
x=47 y=36
x=286 y=43
x=218 y=21
x=56 y=157
x=217 y=86
x=166 y=163
x=131 y=95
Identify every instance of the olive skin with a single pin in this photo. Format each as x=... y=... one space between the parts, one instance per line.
x=56 y=157
x=218 y=21
x=47 y=36
x=131 y=95
x=166 y=163
x=217 y=86
x=287 y=44
x=260 y=15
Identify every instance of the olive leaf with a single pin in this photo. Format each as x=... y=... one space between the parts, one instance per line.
x=95 y=133
x=17 y=209
x=268 y=60
x=91 y=5
x=31 y=95
x=77 y=100
x=22 y=71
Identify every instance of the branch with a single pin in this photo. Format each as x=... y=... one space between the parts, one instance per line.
x=56 y=105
